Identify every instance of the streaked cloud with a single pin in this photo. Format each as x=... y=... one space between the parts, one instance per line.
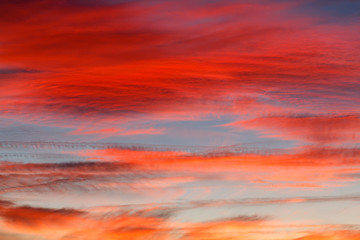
x=179 y=120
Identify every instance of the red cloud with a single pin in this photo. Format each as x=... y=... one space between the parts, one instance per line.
x=103 y=63
x=134 y=59
x=317 y=129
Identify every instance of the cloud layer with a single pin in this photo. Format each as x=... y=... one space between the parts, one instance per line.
x=179 y=120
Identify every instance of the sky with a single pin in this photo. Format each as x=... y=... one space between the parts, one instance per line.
x=179 y=120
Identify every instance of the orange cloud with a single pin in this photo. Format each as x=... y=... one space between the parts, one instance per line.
x=40 y=218
x=69 y=224
x=151 y=221
x=332 y=235
x=229 y=229
x=150 y=167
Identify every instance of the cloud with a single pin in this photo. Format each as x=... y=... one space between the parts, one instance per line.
x=332 y=235
x=133 y=59
x=134 y=69
x=260 y=168
x=314 y=129
x=233 y=228
x=270 y=201
x=110 y=132
x=63 y=176
x=29 y=217
x=156 y=221
x=158 y=168
x=56 y=224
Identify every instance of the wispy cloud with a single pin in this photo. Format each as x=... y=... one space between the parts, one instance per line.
x=139 y=63
x=128 y=166
x=250 y=105
x=315 y=129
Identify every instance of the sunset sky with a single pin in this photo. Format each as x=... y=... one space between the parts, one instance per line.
x=179 y=120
